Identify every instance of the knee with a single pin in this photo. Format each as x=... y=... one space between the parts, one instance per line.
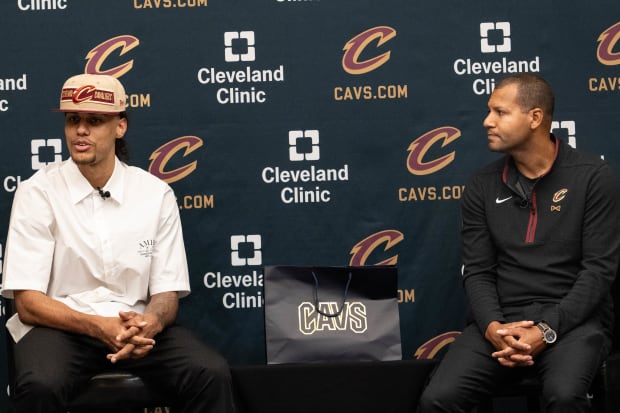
x=39 y=386
x=218 y=370
x=564 y=397
x=427 y=402
x=211 y=371
x=206 y=385
x=199 y=365
x=435 y=398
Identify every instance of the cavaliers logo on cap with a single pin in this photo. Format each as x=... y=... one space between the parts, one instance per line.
x=93 y=93
x=86 y=93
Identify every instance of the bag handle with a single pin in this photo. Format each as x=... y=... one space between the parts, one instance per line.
x=316 y=297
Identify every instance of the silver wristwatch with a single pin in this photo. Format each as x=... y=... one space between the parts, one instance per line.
x=549 y=334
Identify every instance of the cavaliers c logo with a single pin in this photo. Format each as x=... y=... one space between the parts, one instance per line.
x=351 y=62
x=608 y=40
x=560 y=195
x=362 y=250
x=83 y=94
x=97 y=56
x=418 y=149
x=162 y=155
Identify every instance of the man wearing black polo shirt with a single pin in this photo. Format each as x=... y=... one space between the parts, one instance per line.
x=540 y=251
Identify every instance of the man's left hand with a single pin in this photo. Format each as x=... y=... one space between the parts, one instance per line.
x=530 y=335
x=138 y=336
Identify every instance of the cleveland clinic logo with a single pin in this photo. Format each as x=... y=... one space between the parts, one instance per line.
x=246 y=85
x=486 y=29
x=246 y=250
x=495 y=40
x=45 y=152
x=240 y=291
x=306 y=184
x=246 y=39
x=295 y=137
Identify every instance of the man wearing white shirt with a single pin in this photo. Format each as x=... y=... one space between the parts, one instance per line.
x=95 y=262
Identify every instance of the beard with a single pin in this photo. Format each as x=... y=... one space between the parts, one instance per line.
x=84 y=158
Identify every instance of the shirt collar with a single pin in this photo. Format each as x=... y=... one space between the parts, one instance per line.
x=80 y=188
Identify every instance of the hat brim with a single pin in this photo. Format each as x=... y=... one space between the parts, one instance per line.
x=87 y=111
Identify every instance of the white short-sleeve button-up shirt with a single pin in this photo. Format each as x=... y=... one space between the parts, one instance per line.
x=97 y=255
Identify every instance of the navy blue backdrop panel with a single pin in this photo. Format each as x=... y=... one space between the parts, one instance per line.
x=307 y=132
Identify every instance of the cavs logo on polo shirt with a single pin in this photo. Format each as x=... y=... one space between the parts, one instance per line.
x=558 y=197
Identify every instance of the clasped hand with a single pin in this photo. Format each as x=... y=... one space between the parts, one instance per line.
x=129 y=336
x=516 y=343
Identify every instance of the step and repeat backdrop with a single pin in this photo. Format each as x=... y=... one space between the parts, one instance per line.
x=316 y=132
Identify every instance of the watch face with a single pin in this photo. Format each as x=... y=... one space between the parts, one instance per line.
x=550 y=336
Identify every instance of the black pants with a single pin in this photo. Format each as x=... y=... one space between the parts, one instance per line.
x=468 y=374
x=52 y=366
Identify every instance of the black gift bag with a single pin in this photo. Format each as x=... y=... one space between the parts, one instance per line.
x=316 y=314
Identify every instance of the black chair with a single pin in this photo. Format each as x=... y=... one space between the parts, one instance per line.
x=604 y=392
x=109 y=391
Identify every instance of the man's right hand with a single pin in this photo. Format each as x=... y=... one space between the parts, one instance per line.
x=119 y=335
x=511 y=352
x=137 y=342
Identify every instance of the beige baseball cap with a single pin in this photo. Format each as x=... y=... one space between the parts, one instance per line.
x=93 y=94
